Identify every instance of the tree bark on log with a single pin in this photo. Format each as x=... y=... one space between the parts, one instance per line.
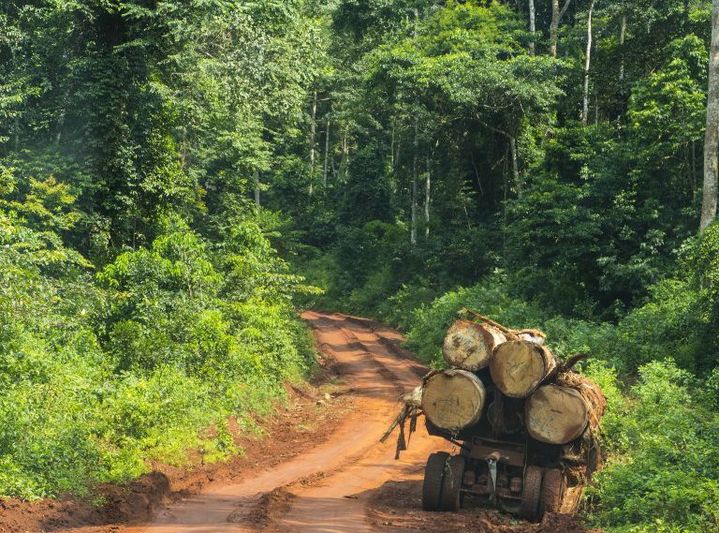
x=518 y=367
x=469 y=345
x=453 y=399
x=533 y=335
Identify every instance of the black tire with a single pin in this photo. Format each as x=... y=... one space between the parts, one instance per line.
x=432 y=486
x=531 y=493
x=450 y=499
x=553 y=485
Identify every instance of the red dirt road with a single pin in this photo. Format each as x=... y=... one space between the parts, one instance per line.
x=326 y=489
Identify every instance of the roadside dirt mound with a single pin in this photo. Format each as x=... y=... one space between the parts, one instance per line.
x=270 y=506
x=135 y=500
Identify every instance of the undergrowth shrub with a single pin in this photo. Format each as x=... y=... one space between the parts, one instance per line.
x=663 y=470
x=146 y=360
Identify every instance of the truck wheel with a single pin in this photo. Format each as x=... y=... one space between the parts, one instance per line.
x=552 y=491
x=529 y=508
x=432 y=486
x=450 y=499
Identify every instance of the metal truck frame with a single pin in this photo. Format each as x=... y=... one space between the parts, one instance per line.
x=503 y=473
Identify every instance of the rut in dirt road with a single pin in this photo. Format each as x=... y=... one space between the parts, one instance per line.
x=329 y=486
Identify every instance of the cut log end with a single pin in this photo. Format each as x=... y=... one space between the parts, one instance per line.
x=469 y=345
x=518 y=367
x=453 y=399
x=590 y=392
x=556 y=414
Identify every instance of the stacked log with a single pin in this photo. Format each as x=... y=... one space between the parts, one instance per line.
x=469 y=345
x=530 y=389
x=453 y=399
x=518 y=367
x=562 y=412
x=556 y=414
x=590 y=393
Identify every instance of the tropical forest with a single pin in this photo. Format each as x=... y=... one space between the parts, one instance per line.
x=181 y=179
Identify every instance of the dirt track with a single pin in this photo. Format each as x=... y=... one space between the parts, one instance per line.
x=326 y=489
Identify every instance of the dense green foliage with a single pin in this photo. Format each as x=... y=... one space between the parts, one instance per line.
x=167 y=169
x=142 y=304
x=142 y=361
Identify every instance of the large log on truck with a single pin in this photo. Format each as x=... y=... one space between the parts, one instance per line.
x=561 y=412
x=556 y=415
x=453 y=399
x=469 y=345
x=518 y=367
x=590 y=392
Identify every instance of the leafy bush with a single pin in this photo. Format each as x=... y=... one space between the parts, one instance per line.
x=663 y=470
x=143 y=362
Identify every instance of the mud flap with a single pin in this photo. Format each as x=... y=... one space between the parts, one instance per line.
x=451 y=498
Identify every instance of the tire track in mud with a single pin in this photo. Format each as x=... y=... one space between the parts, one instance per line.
x=328 y=488
x=338 y=502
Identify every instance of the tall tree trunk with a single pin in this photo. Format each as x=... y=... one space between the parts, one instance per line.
x=515 y=163
x=476 y=174
x=694 y=168
x=557 y=15
x=313 y=132
x=15 y=130
x=391 y=145
x=427 y=197
x=344 y=164
x=505 y=172
x=622 y=37
x=532 y=26
x=711 y=136
x=554 y=29
x=596 y=108
x=327 y=152
x=587 y=64
x=256 y=177
x=413 y=223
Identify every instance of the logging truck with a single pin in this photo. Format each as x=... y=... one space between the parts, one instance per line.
x=525 y=423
